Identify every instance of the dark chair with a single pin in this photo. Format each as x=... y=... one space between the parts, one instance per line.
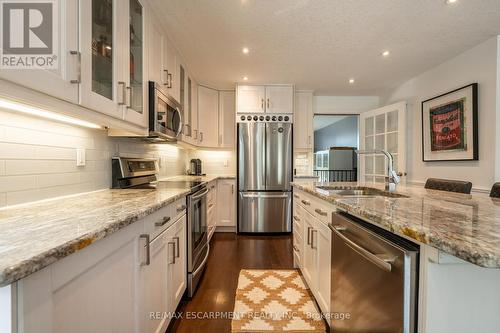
x=495 y=191
x=448 y=185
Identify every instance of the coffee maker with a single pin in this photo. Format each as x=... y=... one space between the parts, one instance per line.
x=195 y=167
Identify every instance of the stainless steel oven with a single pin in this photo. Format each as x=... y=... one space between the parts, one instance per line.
x=198 y=247
x=165 y=115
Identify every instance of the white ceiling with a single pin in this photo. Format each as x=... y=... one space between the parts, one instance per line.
x=320 y=44
x=323 y=121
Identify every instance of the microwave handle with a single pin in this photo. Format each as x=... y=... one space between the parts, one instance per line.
x=181 y=125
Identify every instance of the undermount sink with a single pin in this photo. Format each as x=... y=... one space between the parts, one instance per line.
x=358 y=192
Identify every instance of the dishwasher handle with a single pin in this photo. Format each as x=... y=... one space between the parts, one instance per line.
x=380 y=260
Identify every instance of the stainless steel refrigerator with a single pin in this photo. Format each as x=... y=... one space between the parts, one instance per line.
x=264 y=176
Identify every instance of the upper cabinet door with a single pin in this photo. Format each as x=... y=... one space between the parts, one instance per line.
x=303 y=121
x=103 y=87
x=135 y=109
x=279 y=99
x=173 y=67
x=208 y=108
x=63 y=81
x=156 y=64
x=227 y=118
x=251 y=99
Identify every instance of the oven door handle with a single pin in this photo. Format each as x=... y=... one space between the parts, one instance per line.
x=196 y=197
x=203 y=262
x=384 y=262
x=265 y=195
x=181 y=125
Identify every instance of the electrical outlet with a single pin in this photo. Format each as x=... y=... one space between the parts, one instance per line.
x=80 y=157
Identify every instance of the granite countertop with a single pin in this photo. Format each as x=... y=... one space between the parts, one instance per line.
x=35 y=235
x=205 y=178
x=462 y=225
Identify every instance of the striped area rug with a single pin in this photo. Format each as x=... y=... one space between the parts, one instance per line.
x=274 y=301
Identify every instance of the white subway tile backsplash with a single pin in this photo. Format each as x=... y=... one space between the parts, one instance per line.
x=55 y=179
x=17 y=183
x=16 y=151
x=2 y=168
x=32 y=167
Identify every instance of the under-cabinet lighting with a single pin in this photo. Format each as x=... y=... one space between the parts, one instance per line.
x=450 y=1
x=351 y=81
x=245 y=78
x=246 y=50
x=385 y=53
x=28 y=109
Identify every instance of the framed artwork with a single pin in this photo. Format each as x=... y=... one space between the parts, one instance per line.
x=449 y=126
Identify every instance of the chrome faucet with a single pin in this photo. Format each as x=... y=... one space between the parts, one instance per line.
x=392 y=178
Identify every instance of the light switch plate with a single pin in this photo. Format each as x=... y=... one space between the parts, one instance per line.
x=80 y=157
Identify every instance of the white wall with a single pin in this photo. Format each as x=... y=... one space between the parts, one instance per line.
x=478 y=64
x=344 y=104
x=38 y=158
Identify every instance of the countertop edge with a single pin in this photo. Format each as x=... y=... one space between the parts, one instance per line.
x=42 y=260
x=481 y=260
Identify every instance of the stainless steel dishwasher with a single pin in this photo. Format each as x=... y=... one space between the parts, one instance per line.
x=374 y=278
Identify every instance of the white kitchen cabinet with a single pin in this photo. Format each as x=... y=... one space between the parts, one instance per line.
x=226 y=209
x=194 y=112
x=173 y=65
x=208 y=115
x=313 y=215
x=212 y=208
x=156 y=68
x=279 y=99
x=268 y=99
x=154 y=294
x=227 y=116
x=103 y=87
x=62 y=82
x=177 y=270
x=303 y=132
x=136 y=76
x=251 y=99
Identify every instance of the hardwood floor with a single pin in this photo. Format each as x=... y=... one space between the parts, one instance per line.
x=229 y=254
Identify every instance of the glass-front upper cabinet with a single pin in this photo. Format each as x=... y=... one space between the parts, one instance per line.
x=102 y=86
x=136 y=88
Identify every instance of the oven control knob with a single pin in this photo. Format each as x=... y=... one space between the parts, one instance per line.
x=274 y=118
x=255 y=118
x=287 y=118
x=261 y=118
x=268 y=118
x=249 y=118
x=280 y=118
x=242 y=117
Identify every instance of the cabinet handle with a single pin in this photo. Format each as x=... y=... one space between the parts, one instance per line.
x=268 y=103
x=195 y=134
x=148 y=249
x=173 y=256
x=296 y=196
x=262 y=104
x=129 y=89
x=177 y=247
x=181 y=208
x=320 y=212
x=79 y=71
x=169 y=77
x=305 y=202
x=232 y=189
x=309 y=235
x=186 y=126
x=296 y=218
x=124 y=93
x=165 y=83
x=312 y=239
x=163 y=221
x=201 y=136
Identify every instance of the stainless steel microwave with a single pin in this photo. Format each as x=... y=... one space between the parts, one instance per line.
x=165 y=115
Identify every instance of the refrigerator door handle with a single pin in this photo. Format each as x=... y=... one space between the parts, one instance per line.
x=262 y=195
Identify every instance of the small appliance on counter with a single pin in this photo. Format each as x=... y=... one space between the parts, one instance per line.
x=195 y=167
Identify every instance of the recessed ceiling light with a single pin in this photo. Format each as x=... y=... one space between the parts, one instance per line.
x=245 y=78
x=246 y=50
x=450 y=1
x=385 y=53
x=351 y=81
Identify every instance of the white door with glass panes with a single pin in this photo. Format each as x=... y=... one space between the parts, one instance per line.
x=101 y=43
x=135 y=109
x=382 y=129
